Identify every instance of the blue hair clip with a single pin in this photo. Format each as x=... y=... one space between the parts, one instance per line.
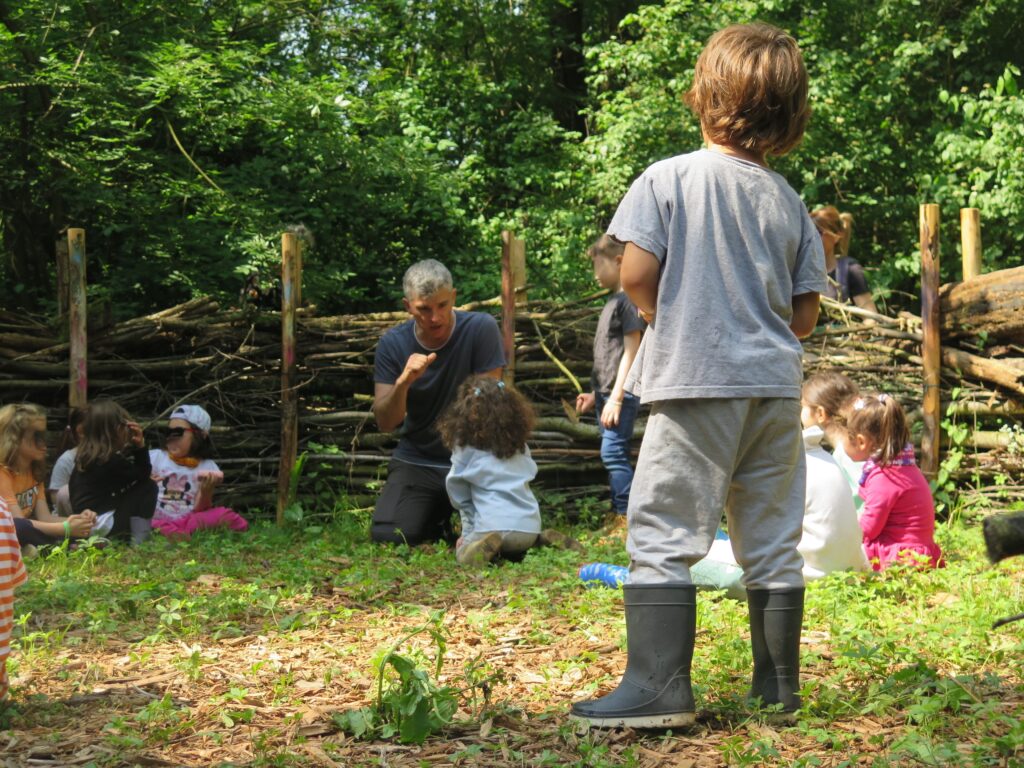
x=476 y=391
x=501 y=384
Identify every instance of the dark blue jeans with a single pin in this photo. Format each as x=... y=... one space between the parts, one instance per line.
x=615 y=448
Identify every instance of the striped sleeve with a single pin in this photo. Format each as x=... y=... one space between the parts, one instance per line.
x=12 y=573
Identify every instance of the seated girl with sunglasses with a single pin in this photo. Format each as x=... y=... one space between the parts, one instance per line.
x=186 y=478
x=111 y=473
x=22 y=466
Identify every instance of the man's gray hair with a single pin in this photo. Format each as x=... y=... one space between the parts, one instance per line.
x=425 y=278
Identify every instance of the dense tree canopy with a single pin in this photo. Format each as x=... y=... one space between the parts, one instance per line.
x=186 y=136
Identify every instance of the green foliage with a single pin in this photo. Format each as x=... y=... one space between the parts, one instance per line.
x=881 y=140
x=397 y=131
x=409 y=704
x=294 y=511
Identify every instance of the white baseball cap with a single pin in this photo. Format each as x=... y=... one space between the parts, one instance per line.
x=194 y=415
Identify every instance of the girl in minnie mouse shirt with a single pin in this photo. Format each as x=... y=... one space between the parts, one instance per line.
x=186 y=478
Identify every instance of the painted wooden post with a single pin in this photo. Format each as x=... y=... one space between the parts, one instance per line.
x=970 y=240
x=518 y=254
x=508 y=306
x=298 y=272
x=931 y=350
x=63 y=274
x=78 y=338
x=290 y=278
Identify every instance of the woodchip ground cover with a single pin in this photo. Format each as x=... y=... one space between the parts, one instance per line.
x=244 y=650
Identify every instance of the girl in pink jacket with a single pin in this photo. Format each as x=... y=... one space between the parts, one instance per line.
x=898 y=519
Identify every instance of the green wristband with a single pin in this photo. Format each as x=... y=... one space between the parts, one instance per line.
x=67 y=529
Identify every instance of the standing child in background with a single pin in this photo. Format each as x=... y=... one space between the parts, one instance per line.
x=186 y=477
x=486 y=428
x=23 y=465
x=67 y=449
x=722 y=255
x=826 y=400
x=615 y=345
x=111 y=474
x=12 y=573
x=898 y=520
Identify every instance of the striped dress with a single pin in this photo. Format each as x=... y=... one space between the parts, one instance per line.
x=12 y=573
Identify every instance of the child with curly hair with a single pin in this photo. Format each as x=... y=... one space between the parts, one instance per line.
x=486 y=428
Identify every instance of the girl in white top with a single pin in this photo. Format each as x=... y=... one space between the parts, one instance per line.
x=831 y=539
x=826 y=399
x=486 y=428
x=186 y=478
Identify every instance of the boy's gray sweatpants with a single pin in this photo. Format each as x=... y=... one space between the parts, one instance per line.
x=702 y=456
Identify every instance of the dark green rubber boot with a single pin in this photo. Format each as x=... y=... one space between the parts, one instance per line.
x=655 y=692
x=776 y=616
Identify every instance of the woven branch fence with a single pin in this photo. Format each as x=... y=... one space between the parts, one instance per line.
x=229 y=360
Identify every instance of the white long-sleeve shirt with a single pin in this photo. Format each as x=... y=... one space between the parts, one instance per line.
x=832 y=537
x=493 y=494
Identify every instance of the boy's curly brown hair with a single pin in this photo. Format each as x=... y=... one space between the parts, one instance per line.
x=488 y=415
x=750 y=89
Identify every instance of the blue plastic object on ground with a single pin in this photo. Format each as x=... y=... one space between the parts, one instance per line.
x=604 y=573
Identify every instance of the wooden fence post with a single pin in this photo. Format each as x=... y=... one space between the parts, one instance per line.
x=290 y=278
x=63 y=275
x=508 y=307
x=78 y=338
x=970 y=240
x=298 y=272
x=518 y=256
x=931 y=351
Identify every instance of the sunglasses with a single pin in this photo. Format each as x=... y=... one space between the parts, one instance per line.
x=172 y=433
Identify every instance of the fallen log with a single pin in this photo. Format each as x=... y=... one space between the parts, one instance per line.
x=990 y=305
x=984 y=368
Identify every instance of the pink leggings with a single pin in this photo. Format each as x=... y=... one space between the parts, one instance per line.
x=215 y=517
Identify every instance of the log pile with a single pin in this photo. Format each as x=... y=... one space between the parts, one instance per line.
x=228 y=359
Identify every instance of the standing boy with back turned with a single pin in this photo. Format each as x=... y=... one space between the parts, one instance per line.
x=722 y=255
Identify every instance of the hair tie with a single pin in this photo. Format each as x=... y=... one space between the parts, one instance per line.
x=883 y=398
x=858 y=404
x=501 y=384
x=476 y=391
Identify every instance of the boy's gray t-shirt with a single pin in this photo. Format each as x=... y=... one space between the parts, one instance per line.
x=736 y=244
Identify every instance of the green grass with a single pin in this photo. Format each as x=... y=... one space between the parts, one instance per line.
x=240 y=650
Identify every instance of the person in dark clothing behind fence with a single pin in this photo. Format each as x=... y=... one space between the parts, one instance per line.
x=846 y=280
x=418 y=367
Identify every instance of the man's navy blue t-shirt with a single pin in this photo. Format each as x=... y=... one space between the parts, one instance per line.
x=474 y=347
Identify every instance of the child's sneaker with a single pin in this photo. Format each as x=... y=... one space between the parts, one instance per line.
x=549 y=537
x=480 y=551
